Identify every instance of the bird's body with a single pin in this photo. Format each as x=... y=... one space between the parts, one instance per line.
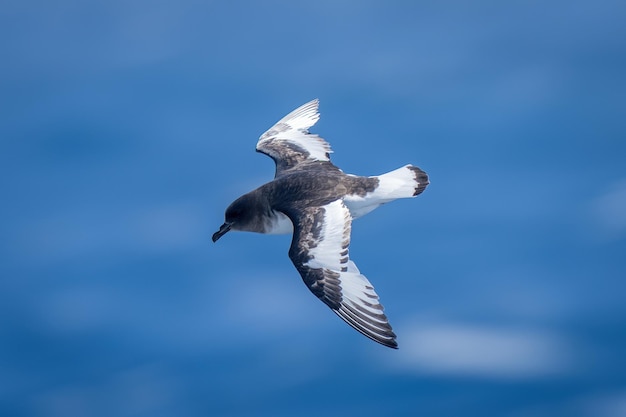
x=316 y=201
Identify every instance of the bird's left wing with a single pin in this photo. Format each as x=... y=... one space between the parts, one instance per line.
x=319 y=250
x=289 y=142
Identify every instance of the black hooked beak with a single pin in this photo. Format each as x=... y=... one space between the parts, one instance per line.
x=223 y=229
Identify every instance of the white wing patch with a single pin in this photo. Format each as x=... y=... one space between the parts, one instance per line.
x=331 y=251
x=293 y=129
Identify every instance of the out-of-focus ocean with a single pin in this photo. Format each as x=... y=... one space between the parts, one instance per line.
x=127 y=127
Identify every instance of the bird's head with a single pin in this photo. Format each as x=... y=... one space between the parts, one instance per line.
x=243 y=214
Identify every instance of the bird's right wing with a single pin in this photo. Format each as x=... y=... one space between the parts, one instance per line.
x=319 y=250
x=289 y=142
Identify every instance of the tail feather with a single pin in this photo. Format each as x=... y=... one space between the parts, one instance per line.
x=404 y=182
x=421 y=178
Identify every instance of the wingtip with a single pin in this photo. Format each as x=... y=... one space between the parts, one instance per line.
x=315 y=103
x=388 y=343
x=304 y=116
x=383 y=335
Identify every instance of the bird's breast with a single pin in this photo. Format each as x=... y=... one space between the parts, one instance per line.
x=278 y=224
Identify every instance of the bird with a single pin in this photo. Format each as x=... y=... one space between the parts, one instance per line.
x=316 y=201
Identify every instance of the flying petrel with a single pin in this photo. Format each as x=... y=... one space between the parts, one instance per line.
x=313 y=199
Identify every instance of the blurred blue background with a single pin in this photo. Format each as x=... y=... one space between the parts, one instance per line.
x=127 y=127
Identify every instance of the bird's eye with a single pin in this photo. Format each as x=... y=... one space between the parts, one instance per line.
x=233 y=214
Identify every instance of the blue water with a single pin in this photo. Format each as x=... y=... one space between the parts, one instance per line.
x=126 y=128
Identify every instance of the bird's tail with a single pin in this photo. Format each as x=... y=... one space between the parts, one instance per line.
x=404 y=182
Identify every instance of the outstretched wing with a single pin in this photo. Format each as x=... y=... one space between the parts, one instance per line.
x=319 y=251
x=289 y=142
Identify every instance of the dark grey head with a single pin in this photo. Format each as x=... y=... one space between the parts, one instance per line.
x=247 y=213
